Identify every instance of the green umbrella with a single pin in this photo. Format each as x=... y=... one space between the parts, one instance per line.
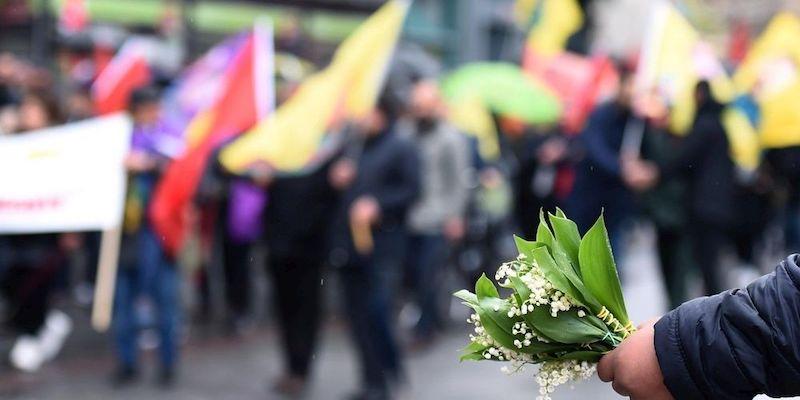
x=505 y=89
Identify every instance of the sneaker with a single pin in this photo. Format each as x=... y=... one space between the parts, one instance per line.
x=27 y=355
x=54 y=333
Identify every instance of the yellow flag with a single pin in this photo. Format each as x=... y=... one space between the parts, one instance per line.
x=771 y=72
x=780 y=119
x=551 y=23
x=673 y=60
x=289 y=138
x=779 y=40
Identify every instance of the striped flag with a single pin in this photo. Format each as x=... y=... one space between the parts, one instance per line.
x=128 y=70
x=247 y=96
x=292 y=138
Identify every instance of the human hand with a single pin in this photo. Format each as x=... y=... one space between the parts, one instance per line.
x=139 y=161
x=342 y=174
x=552 y=151
x=638 y=174
x=262 y=174
x=454 y=229
x=633 y=368
x=70 y=241
x=365 y=211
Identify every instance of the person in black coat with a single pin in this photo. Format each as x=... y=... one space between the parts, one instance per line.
x=703 y=158
x=599 y=185
x=734 y=345
x=379 y=180
x=298 y=214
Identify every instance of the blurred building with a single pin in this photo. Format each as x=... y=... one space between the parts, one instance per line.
x=455 y=30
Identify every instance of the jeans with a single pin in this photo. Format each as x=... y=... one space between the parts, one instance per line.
x=155 y=277
x=369 y=285
x=426 y=264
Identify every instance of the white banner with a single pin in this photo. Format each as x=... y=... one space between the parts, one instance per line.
x=66 y=178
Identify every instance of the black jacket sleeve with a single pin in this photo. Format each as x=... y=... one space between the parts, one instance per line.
x=736 y=344
x=692 y=148
x=402 y=186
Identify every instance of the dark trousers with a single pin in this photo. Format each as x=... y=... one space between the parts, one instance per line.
x=27 y=290
x=707 y=241
x=370 y=284
x=426 y=263
x=28 y=275
x=297 y=286
x=236 y=267
x=672 y=253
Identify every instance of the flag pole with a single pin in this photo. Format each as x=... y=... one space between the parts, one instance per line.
x=106 y=279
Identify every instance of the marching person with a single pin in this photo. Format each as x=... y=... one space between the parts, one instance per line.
x=599 y=185
x=30 y=266
x=298 y=214
x=703 y=158
x=379 y=183
x=145 y=272
x=437 y=217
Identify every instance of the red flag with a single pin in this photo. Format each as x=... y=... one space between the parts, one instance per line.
x=126 y=72
x=579 y=81
x=246 y=98
x=739 y=43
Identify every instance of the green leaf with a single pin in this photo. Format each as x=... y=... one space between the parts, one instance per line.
x=473 y=347
x=560 y=213
x=589 y=356
x=566 y=328
x=566 y=233
x=599 y=271
x=497 y=323
x=553 y=273
x=473 y=352
x=521 y=289
x=537 y=347
x=466 y=296
x=471 y=357
x=543 y=234
x=580 y=294
x=485 y=288
x=526 y=247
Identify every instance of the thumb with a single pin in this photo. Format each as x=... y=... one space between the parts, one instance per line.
x=605 y=369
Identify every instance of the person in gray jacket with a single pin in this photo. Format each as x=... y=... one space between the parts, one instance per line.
x=437 y=217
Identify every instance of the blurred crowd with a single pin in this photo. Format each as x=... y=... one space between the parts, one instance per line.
x=403 y=206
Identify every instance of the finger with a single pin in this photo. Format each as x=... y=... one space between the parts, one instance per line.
x=605 y=369
x=620 y=388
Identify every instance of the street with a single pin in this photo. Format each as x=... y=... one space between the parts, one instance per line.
x=218 y=368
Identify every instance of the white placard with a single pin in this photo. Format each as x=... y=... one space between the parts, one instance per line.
x=66 y=178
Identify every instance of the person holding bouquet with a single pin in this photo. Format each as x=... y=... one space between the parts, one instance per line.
x=734 y=345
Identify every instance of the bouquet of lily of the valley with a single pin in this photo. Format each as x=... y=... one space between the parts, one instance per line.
x=564 y=309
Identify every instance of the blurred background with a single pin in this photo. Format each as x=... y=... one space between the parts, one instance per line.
x=204 y=199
